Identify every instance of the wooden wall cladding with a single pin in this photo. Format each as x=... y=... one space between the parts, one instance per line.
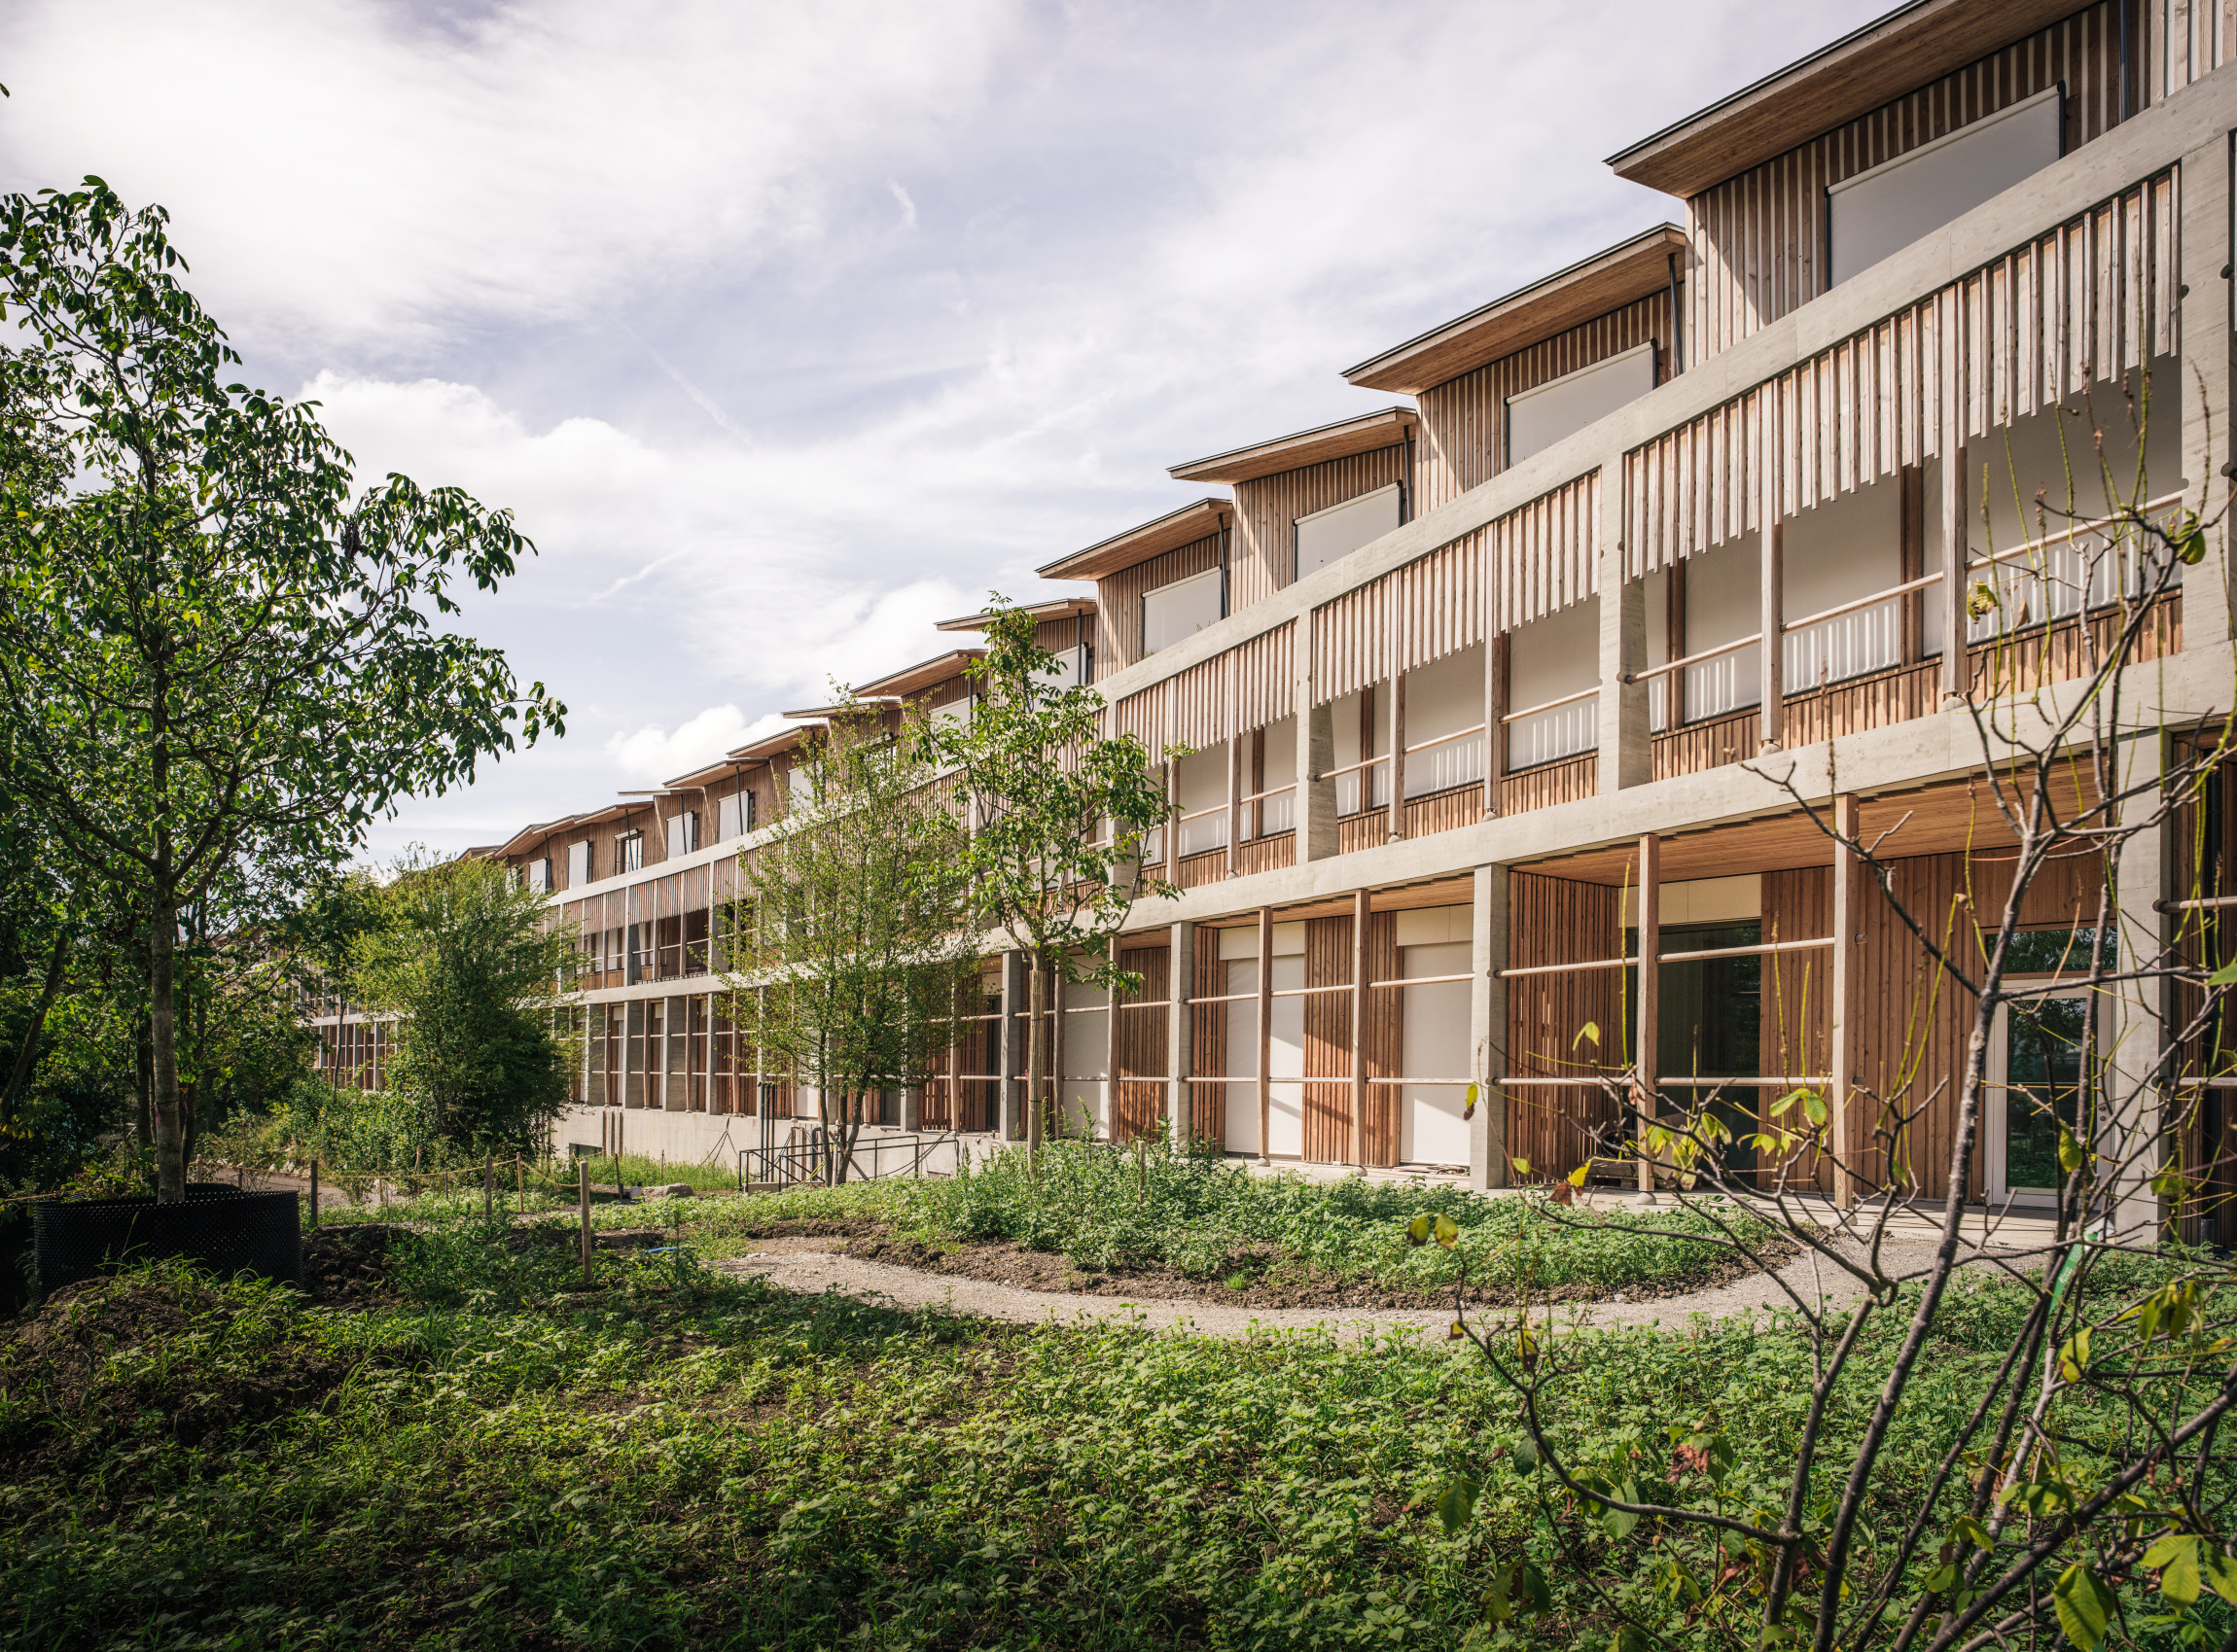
x=1464 y=420
x=1267 y=853
x=1264 y=556
x=1198 y=870
x=1758 y=239
x=1560 y=921
x=2202 y=861
x=1548 y=783
x=1119 y=600
x=1328 y=1019
x=1139 y=1067
x=1796 y=1039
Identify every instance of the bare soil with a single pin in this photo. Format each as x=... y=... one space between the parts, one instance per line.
x=1252 y=1278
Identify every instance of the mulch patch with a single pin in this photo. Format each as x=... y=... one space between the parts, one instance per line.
x=1263 y=1278
x=57 y=1363
x=348 y=1266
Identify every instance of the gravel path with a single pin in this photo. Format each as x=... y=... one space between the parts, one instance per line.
x=813 y=1265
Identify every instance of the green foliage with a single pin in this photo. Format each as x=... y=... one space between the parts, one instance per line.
x=480 y=982
x=1057 y=810
x=207 y=644
x=675 y=1458
x=1142 y=1205
x=848 y=933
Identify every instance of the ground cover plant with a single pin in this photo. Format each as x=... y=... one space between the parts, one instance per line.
x=681 y=1458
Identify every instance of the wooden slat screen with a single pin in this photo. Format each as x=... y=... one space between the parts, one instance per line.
x=1561 y=921
x=1327 y=1018
x=2082 y=304
x=1758 y=239
x=1545 y=554
x=1138 y=1045
x=1263 y=679
x=1208 y=1053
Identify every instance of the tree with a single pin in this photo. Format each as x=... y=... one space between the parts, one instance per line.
x=207 y=642
x=849 y=929
x=1057 y=815
x=2083 y=1473
x=480 y=981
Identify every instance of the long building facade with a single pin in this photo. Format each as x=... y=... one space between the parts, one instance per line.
x=1518 y=675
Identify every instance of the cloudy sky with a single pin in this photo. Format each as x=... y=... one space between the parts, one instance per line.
x=787 y=330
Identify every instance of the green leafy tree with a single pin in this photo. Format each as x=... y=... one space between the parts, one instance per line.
x=480 y=982
x=209 y=639
x=1057 y=813
x=850 y=934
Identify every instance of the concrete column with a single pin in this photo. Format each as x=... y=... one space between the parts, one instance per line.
x=1265 y=1029
x=1488 y=1159
x=1494 y=718
x=1360 y=915
x=2133 y=1017
x=1648 y=1052
x=1956 y=679
x=2209 y=342
x=1850 y=1129
x=1179 y=1031
x=1315 y=810
x=1395 y=821
x=1626 y=758
x=1012 y=1089
x=912 y=1108
x=1773 y=569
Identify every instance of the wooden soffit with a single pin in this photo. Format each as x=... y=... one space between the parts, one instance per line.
x=1063 y=608
x=1568 y=298
x=1908 y=48
x=1935 y=820
x=1339 y=441
x=925 y=674
x=1169 y=531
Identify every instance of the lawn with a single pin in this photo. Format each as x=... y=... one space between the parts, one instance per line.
x=681 y=1458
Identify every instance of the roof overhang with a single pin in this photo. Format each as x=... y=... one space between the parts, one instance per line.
x=1568 y=298
x=1169 y=531
x=860 y=704
x=1339 y=441
x=915 y=678
x=1908 y=48
x=1064 y=608
x=771 y=746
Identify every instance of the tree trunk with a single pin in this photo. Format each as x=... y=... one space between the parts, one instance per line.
x=1036 y=1035
x=162 y=1021
x=144 y=1039
x=27 y=1057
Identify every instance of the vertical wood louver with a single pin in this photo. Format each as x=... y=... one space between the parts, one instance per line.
x=2078 y=307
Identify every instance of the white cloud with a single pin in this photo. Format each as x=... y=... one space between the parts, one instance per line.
x=659 y=755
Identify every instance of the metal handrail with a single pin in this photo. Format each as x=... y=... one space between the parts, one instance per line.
x=1552 y=705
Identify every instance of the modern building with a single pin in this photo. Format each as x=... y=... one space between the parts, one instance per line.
x=1498 y=683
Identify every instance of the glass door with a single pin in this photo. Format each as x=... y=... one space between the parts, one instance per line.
x=2035 y=1087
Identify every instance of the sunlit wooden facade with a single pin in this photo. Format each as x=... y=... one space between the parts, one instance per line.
x=1480 y=686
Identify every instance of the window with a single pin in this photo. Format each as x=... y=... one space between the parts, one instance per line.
x=683 y=832
x=577 y=864
x=628 y=852
x=734 y=815
x=1545 y=413
x=1181 y=610
x=540 y=875
x=800 y=785
x=1330 y=535
x=1878 y=212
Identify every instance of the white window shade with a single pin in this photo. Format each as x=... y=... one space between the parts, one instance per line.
x=1878 y=212
x=682 y=834
x=578 y=864
x=540 y=875
x=1326 y=535
x=1180 y=610
x=1545 y=413
x=735 y=815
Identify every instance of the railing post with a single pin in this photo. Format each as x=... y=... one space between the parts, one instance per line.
x=1648 y=1052
x=1394 y=637
x=1234 y=766
x=2209 y=366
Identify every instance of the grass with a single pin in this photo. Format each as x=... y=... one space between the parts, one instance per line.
x=680 y=1459
x=1126 y=1209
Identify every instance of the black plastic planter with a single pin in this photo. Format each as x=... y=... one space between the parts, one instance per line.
x=226 y=1230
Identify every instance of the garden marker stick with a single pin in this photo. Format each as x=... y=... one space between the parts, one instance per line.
x=586 y=1185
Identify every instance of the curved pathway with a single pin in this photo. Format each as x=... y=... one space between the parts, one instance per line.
x=810 y=1265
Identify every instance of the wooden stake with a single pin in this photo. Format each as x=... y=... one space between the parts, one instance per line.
x=585 y=1179
x=314 y=1193
x=1649 y=996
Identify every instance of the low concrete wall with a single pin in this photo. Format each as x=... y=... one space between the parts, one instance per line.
x=699 y=1138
